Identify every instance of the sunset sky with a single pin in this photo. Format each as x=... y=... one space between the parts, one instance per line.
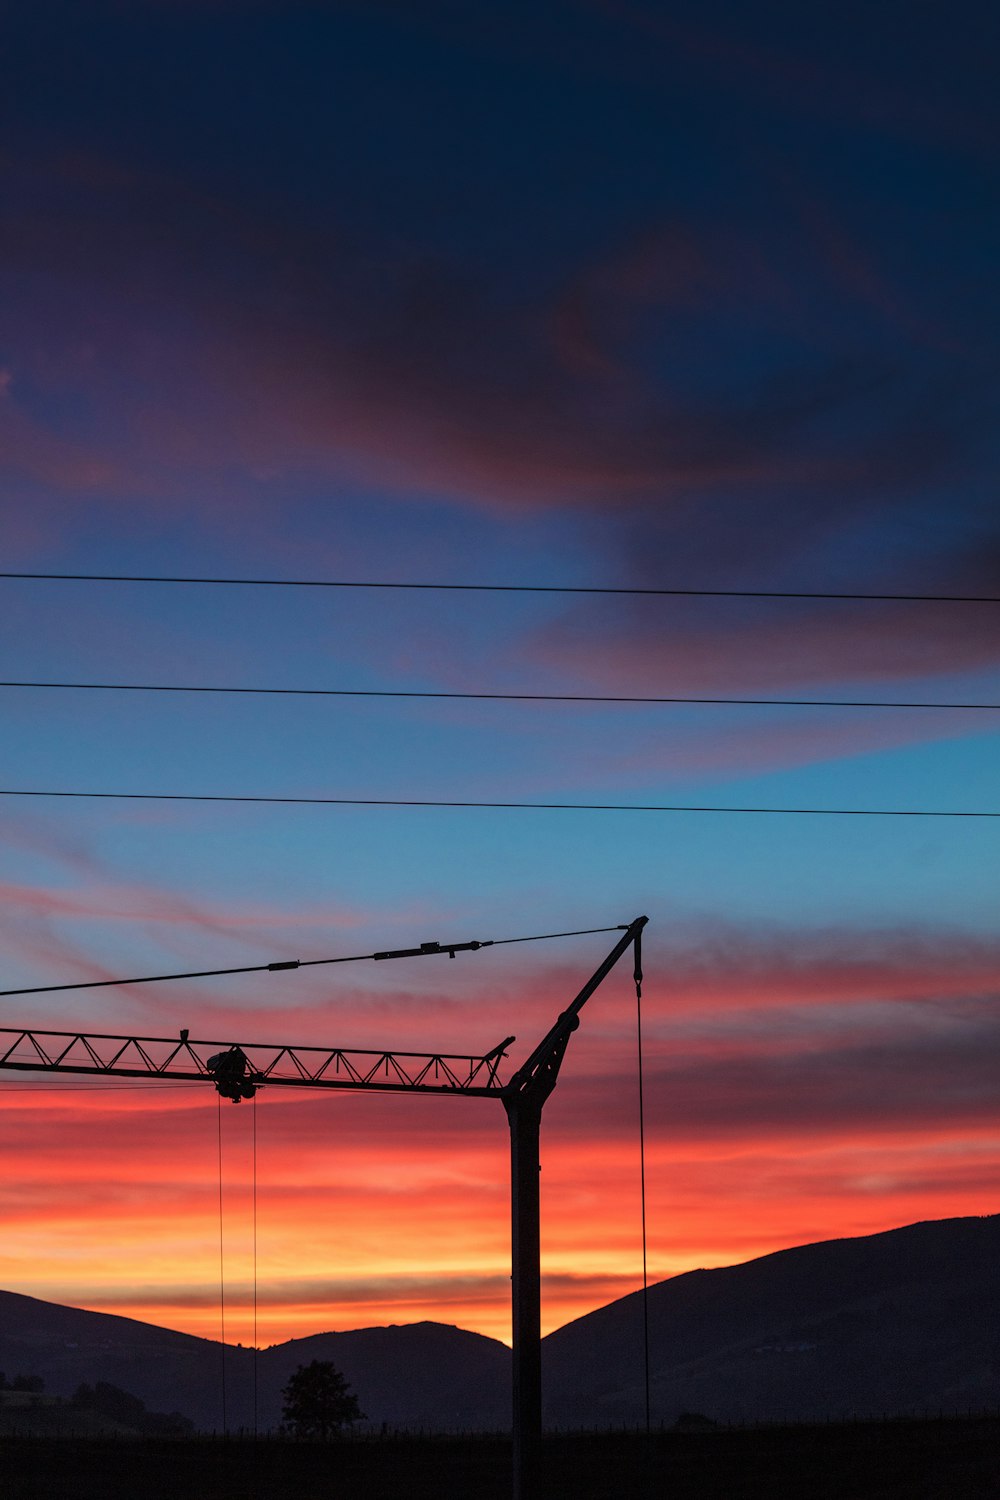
x=682 y=296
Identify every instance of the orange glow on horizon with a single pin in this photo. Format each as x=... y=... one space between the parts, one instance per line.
x=790 y=1097
x=115 y=1207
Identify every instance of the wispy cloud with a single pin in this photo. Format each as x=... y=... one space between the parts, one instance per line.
x=816 y=1094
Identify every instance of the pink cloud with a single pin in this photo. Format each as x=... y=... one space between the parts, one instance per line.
x=152 y=903
x=798 y=1086
x=745 y=1154
x=711 y=976
x=415 y=372
x=743 y=649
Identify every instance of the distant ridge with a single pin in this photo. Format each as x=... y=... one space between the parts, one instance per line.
x=428 y=1375
x=903 y=1321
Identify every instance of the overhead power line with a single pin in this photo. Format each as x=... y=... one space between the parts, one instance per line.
x=622 y=807
x=678 y=698
x=508 y=588
x=426 y=950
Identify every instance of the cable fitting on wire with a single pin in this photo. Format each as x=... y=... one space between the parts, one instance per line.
x=426 y=949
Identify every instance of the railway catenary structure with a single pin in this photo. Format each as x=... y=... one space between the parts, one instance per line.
x=238 y=1070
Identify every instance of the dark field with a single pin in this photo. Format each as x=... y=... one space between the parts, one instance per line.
x=954 y=1459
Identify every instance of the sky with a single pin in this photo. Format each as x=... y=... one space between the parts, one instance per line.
x=583 y=294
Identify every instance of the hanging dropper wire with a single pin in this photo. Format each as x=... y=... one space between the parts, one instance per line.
x=637 y=976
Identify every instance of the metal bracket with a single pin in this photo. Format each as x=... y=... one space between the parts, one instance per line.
x=234 y=1077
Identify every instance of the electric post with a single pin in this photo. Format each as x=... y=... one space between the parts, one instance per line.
x=237 y=1072
x=523 y=1098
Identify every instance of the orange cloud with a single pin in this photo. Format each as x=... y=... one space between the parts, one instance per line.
x=790 y=1095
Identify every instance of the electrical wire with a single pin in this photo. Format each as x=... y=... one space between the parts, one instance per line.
x=625 y=807
x=508 y=588
x=427 y=950
x=543 y=937
x=622 y=698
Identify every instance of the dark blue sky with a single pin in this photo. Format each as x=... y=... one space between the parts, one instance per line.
x=593 y=258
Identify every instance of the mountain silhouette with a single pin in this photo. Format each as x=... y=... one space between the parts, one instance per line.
x=903 y=1321
x=428 y=1375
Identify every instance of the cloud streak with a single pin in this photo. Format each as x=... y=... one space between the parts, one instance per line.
x=593 y=295
x=788 y=1097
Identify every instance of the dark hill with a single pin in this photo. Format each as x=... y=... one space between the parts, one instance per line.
x=904 y=1321
x=898 y=1322
x=427 y=1375
x=67 y=1346
x=416 y=1375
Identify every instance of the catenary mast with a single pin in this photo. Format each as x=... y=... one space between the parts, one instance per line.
x=239 y=1070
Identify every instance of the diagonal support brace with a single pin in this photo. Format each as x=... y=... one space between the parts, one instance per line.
x=523 y=1099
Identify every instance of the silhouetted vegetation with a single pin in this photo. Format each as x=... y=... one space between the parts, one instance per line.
x=694 y=1421
x=318 y=1402
x=901 y=1460
x=110 y=1401
x=33 y=1383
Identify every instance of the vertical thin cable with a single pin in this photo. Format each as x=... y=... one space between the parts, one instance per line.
x=222 y=1285
x=253 y=1116
x=637 y=976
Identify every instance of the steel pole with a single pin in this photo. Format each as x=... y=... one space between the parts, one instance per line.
x=524 y=1114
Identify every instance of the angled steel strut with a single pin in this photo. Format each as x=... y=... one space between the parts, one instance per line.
x=523 y=1098
x=239 y=1070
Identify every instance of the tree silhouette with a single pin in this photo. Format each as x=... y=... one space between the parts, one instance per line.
x=318 y=1402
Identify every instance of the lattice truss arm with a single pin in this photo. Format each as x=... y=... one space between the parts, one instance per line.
x=237 y=1071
